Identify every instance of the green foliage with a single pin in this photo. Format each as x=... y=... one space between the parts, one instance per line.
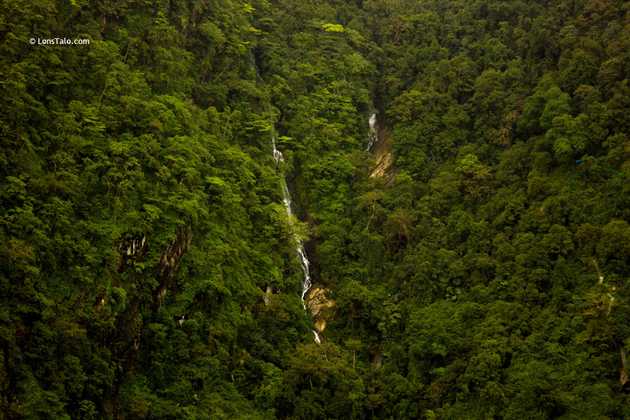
x=147 y=266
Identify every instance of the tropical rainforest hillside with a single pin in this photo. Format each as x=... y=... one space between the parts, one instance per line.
x=469 y=252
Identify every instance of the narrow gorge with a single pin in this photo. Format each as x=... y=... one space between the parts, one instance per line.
x=292 y=209
x=299 y=245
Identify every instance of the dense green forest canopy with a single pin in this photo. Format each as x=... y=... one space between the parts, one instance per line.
x=147 y=266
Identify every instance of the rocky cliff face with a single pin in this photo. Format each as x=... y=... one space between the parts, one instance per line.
x=383 y=155
x=320 y=306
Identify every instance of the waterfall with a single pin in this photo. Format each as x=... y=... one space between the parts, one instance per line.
x=373 y=136
x=301 y=252
x=304 y=262
x=286 y=199
x=277 y=154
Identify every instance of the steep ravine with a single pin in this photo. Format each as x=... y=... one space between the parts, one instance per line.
x=316 y=299
x=299 y=248
x=380 y=146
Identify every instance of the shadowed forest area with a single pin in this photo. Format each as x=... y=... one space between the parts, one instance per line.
x=472 y=263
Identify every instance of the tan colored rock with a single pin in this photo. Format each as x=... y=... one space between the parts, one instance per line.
x=383 y=164
x=267 y=295
x=320 y=325
x=383 y=156
x=320 y=306
x=317 y=301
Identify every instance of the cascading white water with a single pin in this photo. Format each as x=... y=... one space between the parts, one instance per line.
x=373 y=136
x=277 y=154
x=301 y=252
x=286 y=199
x=304 y=262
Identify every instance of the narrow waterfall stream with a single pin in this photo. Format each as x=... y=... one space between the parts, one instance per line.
x=304 y=262
x=373 y=136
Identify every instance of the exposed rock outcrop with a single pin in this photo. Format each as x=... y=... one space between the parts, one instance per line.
x=132 y=249
x=383 y=155
x=170 y=261
x=267 y=295
x=320 y=306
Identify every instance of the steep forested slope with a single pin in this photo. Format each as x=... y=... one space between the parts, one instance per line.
x=496 y=262
x=147 y=267
x=140 y=215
